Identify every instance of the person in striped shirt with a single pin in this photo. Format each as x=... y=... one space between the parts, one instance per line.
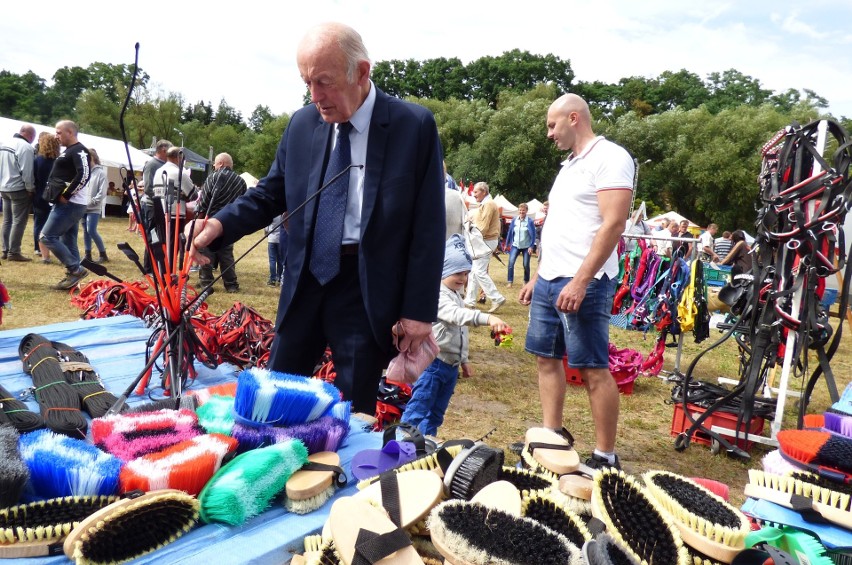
x=220 y=189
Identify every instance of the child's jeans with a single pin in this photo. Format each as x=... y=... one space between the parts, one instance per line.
x=430 y=397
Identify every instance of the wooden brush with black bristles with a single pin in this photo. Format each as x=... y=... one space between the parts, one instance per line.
x=800 y=496
x=472 y=533
x=527 y=481
x=636 y=519
x=14 y=473
x=706 y=522
x=37 y=528
x=472 y=469
x=606 y=550
x=132 y=527
x=548 y=510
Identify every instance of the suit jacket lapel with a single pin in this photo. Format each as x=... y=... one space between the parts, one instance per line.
x=379 y=124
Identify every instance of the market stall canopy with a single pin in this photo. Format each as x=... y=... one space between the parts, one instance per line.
x=192 y=160
x=507 y=209
x=111 y=151
x=655 y=221
x=533 y=208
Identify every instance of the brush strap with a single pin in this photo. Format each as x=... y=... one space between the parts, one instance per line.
x=390 y=497
x=371 y=547
x=340 y=478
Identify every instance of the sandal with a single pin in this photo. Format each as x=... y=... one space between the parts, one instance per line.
x=382 y=544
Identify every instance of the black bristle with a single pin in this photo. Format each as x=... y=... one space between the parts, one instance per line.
x=479 y=468
x=824 y=482
x=696 y=500
x=606 y=551
x=637 y=520
x=525 y=480
x=141 y=529
x=505 y=537
x=52 y=513
x=557 y=518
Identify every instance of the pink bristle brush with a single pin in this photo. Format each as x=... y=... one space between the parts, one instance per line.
x=128 y=436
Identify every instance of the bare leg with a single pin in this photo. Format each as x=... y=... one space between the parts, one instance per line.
x=551 y=390
x=45 y=252
x=604 y=402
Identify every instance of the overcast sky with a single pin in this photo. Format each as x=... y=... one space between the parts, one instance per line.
x=244 y=51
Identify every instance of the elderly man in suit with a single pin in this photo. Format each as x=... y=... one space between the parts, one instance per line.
x=363 y=260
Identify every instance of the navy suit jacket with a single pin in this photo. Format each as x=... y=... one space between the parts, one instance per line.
x=402 y=217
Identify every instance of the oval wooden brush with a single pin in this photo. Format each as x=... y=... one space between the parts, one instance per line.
x=706 y=522
x=132 y=527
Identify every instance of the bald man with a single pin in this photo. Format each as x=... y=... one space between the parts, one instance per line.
x=570 y=296
x=17 y=186
x=220 y=189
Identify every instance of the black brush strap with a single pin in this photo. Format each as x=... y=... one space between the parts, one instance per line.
x=339 y=475
x=390 y=497
x=371 y=547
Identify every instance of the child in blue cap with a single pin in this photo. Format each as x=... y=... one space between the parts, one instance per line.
x=432 y=391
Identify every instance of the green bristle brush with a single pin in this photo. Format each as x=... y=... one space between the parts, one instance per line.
x=244 y=487
x=216 y=415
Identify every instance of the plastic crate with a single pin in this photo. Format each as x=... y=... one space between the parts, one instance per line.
x=718 y=276
x=680 y=423
x=572 y=377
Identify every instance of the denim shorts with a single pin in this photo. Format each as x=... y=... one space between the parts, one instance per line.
x=584 y=335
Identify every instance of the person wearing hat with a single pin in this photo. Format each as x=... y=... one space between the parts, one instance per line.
x=432 y=391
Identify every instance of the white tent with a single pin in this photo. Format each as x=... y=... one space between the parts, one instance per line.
x=533 y=208
x=672 y=216
x=251 y=181
x=507 y=209
x=112 y=152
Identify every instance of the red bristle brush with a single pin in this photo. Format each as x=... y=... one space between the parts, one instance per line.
x=820 y=451
x=186 y=466
x=204 y=394
x=128 y=436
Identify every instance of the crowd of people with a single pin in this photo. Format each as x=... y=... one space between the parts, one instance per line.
x=374 y=259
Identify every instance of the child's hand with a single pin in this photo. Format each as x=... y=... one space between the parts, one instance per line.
x=498 y=326
x=467 y=370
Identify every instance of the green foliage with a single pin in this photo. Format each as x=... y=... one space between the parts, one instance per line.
x=482 y=79
x=258 y=154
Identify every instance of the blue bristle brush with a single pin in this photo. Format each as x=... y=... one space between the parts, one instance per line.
x=244 y=487
x=324 y=434
x=269 y=397
x=63 y=466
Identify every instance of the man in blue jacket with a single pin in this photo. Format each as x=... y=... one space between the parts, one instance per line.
x=383 y=271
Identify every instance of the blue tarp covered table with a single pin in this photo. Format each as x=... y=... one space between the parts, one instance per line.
x=116 y=348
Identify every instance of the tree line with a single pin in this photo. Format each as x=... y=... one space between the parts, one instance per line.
x=697 y=140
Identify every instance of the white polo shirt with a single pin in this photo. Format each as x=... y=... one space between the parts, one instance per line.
x=574 y=217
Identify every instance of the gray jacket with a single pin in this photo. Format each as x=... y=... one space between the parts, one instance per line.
x=97 y=189
x=16 y=165
x=450 y=330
